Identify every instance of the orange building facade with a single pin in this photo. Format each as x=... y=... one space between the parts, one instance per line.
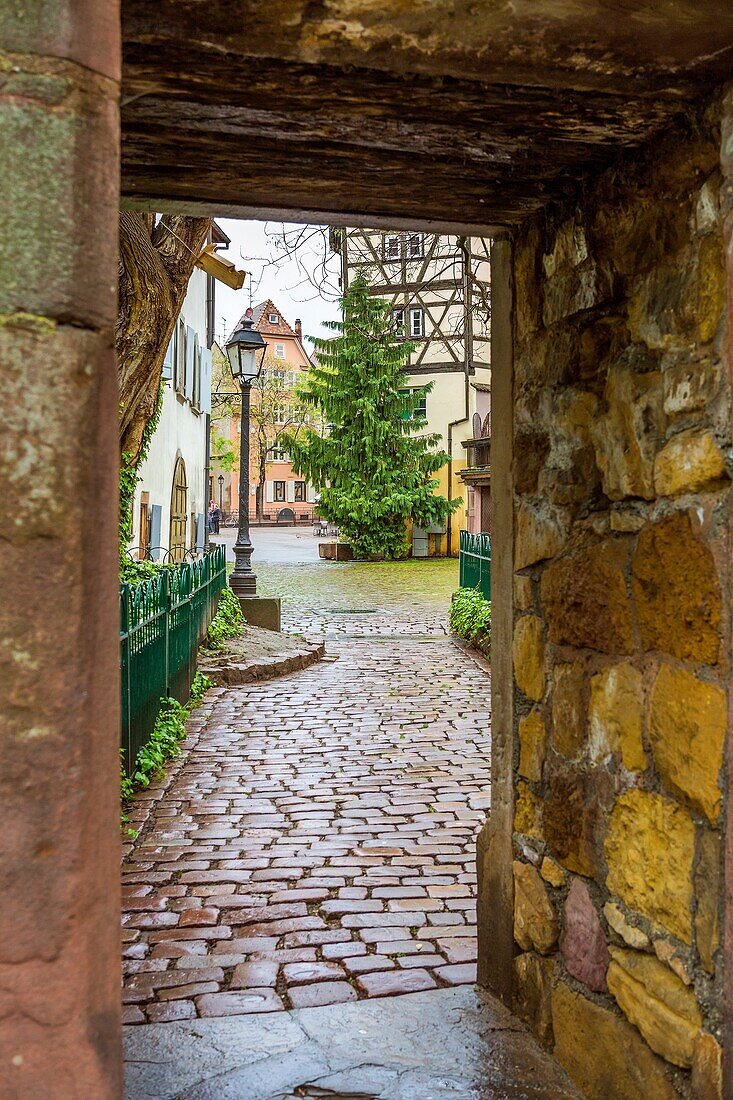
x=278 y=494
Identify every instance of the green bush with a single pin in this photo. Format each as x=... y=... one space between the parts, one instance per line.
x=470 y=617
x=228 y=621
x=136 y=572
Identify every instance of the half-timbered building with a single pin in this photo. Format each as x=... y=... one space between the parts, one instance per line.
x=438 y=287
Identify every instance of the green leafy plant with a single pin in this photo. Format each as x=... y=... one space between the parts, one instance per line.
x=374 y=468
x=164 y=742
x=470 y=617
x=199 y=687
x=136 y=572
x=127 y=787
x=228 y=621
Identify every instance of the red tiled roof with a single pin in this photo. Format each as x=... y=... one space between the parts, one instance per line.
x=260 y=314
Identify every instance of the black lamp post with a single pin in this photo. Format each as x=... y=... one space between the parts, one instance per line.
x=220 y=479
x=245 y=360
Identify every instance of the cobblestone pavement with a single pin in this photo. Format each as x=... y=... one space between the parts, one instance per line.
x=358 y=598
x=317 y=845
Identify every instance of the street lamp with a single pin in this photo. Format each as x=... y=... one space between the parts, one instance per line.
x=220 y=479
x=246 y=354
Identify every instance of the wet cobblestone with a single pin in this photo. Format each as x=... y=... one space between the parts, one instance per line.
x=318 y=843
x=363 y=599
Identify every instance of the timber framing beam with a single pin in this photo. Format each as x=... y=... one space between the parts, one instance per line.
x=245 y=109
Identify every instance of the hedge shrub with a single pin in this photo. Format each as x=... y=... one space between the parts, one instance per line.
x=470 y=618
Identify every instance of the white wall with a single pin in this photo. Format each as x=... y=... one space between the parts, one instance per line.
x=181 y=431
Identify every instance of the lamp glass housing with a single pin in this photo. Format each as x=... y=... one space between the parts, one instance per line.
x=243 y=352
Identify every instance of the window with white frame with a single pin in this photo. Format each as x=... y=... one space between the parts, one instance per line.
x=420 y=412
x=279 y=487
x=299 y=491
x=277 y=454
x=417 y=322
x=415 y=246
x=279 y=351
x=398 y=323
x=392 y=246
x=272 y=318
x=278 y=376
x=420 y=408
x=278 y=414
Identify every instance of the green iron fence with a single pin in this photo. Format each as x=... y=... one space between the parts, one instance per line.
x=162 y=623
x=474 y=562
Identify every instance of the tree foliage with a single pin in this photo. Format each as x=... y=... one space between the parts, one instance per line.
x=375 y=466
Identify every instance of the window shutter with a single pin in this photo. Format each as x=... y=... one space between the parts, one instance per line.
x=290 y=492
x=168 y=361
x=310 y=492
x=191 y=341
x=180 y=361
x=269 y=492
x=156 y=517
x=205 y=380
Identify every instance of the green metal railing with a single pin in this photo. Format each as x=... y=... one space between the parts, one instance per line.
x=162 y=623
x=474 y=562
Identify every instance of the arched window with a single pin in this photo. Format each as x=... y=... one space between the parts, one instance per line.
x=179 y=512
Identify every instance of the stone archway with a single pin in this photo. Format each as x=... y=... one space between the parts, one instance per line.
x=426 y=126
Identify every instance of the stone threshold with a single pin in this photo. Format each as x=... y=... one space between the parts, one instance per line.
x=443 y=1044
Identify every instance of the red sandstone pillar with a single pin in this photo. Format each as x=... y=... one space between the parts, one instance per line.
x=59 y=809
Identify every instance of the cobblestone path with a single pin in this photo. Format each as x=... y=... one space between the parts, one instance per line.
x=317 y=845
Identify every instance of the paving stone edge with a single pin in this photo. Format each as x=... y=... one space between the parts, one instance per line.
x=233 y=673
x=471 y=651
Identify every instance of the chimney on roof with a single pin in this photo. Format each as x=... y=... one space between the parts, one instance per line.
x=298 y=328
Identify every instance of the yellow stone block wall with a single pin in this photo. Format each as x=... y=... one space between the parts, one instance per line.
x=622 y=470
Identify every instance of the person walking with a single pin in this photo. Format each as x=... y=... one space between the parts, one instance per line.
x=214 y=517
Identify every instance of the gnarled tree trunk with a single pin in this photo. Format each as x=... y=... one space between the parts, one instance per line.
x=156 y=262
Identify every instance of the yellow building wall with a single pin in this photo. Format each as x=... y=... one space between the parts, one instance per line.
x=459 y=517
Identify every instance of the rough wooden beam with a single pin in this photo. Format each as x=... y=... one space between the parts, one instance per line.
x=352 y=108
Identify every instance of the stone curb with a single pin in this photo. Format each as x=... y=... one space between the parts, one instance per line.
x=230 y=672
x=471 y=651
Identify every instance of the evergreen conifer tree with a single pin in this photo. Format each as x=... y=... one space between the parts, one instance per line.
x=372 y=469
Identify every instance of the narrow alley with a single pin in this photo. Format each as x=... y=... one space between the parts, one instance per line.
x=299 y=906
x=317 y=845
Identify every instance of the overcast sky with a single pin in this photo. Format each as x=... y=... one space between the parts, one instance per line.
x=257 y=247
